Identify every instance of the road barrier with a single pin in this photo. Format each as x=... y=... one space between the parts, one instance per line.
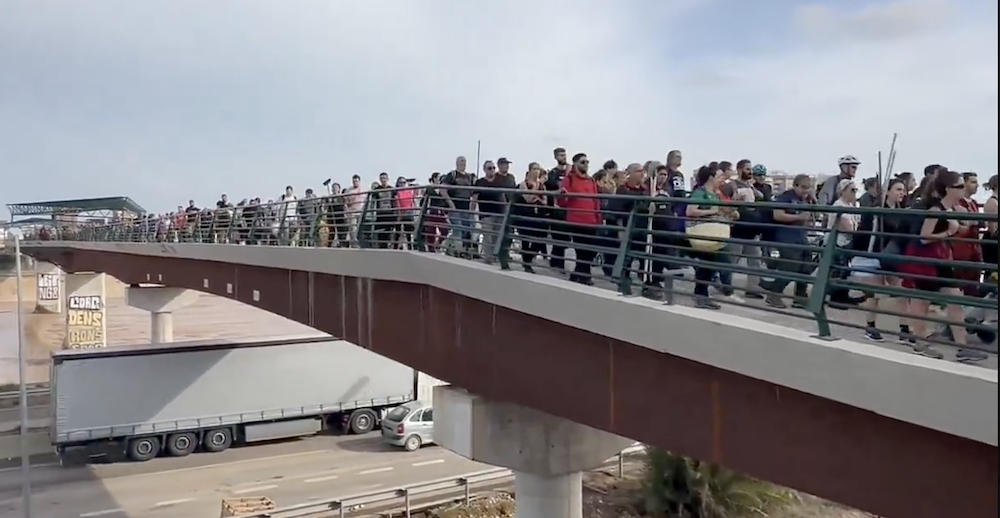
x=403 y=498
x=14 y=396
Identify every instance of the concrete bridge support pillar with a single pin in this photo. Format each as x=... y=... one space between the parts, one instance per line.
x=161 y=302
x=86 y=311
x=49 y=285
x=547 y=454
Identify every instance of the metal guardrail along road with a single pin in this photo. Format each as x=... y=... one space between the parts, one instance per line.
x=403 y=497
x=32 y=392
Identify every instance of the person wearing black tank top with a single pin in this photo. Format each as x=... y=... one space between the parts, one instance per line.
x=880 y=273
x=932 y=234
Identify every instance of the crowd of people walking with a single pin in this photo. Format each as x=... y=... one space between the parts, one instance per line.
x=664 y=224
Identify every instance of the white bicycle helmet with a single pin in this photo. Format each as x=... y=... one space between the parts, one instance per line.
x=848 y=160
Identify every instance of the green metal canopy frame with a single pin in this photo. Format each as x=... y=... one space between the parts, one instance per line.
x=88 y=205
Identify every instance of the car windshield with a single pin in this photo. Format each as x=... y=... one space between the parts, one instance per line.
x=398 y=414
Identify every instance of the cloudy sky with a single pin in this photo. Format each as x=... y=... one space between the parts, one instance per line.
x=164 y=100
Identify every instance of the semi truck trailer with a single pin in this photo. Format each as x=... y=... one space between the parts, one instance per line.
x=180 y=398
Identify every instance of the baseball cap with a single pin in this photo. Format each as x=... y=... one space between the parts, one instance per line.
x=504 y=161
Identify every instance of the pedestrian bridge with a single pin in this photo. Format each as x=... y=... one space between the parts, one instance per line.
x=856 y=423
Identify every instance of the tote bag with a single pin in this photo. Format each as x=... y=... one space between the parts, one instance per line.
x=866 y=267
x=708 y=229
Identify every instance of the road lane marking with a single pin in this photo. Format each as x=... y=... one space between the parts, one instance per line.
x=33 y=466
x=374 y=471
x=168 y=503
x=95 y=514
x=343 y=470
x=428 y=463
x=320 y=479
x=225 y=464
x=257 y=489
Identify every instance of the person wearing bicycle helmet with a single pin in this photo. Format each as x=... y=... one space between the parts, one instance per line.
x=827 y=195
x=759 y=176
x=848 y=169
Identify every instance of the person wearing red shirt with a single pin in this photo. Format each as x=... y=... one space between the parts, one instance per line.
x=583 y=215
x=969 y=230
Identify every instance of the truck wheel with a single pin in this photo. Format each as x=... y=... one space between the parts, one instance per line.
x=218 y=440
x=181 y=444
x=141 y=449
x=362 y=422
x=413 y=443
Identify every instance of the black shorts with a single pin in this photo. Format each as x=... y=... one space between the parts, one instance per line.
x=405 y=224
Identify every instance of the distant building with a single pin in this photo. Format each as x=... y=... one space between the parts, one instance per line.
x=781 y=181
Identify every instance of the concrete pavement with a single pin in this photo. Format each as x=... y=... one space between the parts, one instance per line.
x=289 y=473
x=845 y=323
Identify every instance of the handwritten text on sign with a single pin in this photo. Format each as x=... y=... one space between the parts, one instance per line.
x=48 y=287
x=85 y=322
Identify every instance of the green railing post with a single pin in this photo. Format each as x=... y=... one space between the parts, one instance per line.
x=817 y=299
x=317 y=217
x=211 y=226
x=257 y=234
x=419 y=239
x=364 y=227
x=285 y=233
x=620 y=271
x=197 y=232
x=503 y=253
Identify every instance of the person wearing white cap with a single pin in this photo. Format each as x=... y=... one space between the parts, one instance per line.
x=847 y=225
x=847 y=196
x=829 y=194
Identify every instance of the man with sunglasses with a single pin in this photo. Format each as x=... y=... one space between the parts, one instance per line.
x=848 y=170
x=828 y=194
x=582 y=215
x=492 y=203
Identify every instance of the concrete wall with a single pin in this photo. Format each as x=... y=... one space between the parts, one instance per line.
x=956 y=399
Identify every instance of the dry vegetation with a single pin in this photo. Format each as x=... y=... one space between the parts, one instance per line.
x=607 y=496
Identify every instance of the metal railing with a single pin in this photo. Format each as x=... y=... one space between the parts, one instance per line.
x=32 y=392
x=709 y=251
x=12 y=396
x=405 y=499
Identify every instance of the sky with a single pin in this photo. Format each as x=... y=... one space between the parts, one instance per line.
x=168 y=100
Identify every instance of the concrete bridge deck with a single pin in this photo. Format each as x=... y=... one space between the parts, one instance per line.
x=833 y=418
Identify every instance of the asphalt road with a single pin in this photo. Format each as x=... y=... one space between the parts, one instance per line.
x=290 y=472
x=10 y=419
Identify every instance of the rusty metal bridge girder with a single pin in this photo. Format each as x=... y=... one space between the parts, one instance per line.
x=832 y=450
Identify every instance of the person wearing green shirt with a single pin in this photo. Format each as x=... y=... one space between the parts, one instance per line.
x=709 y=181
